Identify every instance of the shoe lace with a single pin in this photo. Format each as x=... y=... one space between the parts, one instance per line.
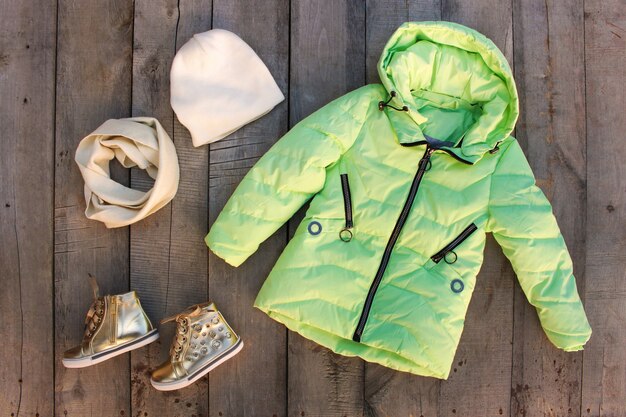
x=95 y=313
x=183 y=321
x=94 y=317
x=182 y=324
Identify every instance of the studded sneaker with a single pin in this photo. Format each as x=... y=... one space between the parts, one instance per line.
x=203 y=341
x=115 y=324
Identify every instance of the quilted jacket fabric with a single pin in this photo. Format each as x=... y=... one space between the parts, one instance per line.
x=404 y=179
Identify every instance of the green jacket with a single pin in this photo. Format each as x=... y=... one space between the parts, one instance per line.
x=406 y=178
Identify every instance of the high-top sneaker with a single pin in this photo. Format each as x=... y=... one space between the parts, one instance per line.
x=115 y=324
x=203 y=340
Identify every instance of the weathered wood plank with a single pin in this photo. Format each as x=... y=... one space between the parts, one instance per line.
x=389 y=392
x=479 y=383
x=254 y=382
x=168 y=258
x=327 y=57
x=549 y=69
x=94 y=58
x=27 y=50
x=604 y=367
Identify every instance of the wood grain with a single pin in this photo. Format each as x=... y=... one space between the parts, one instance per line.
x=328 y=52
x=93 y=83
x=604 y=366
x=253 y=383
x=168 y=258
x=549 y=62
x=27 y=57
x=66 y=67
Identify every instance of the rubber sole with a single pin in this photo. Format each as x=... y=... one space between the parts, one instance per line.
x=170 y=386
x=119 y=350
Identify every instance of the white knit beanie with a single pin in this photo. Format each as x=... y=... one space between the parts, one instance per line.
x=218 y=84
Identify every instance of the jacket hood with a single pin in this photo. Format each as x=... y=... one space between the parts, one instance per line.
x=445 y=65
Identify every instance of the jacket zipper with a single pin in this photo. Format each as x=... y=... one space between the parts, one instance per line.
x=113 y=326
x=456 y=242
x=423 y=163
x=347 y=200
x=345 y=234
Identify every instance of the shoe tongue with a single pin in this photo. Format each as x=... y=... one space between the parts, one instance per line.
x=196 y=311
x=94 y=286
x=189 y=312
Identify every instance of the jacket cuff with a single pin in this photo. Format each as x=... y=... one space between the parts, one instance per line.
x=230 y=255
x=568 y=343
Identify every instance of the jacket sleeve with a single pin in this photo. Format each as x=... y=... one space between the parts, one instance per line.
x=522 y=222
x=285 y=177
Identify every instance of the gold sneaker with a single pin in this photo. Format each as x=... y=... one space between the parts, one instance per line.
x=115 y=324
x=203 y=340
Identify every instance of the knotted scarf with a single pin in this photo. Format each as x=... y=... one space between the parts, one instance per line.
x=134 y=142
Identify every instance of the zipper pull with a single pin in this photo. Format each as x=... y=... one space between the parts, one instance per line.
x=438 y=257
x=449 y=248
x=345 y=234
x=424 y=164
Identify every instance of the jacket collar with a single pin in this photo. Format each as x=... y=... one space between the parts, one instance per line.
x=408 y=133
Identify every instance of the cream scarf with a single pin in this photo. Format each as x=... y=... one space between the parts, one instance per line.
x=135 y=141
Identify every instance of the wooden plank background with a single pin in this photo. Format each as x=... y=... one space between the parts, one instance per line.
x=67 y=66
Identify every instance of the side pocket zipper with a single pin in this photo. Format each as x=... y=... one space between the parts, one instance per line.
x=450 y=246
x=346 y=234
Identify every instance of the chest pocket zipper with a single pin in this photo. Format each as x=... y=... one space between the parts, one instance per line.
x=447 y=252
x=346 y=233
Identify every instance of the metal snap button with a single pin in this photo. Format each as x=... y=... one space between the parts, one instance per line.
x=315 y=228
x=457 y=285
